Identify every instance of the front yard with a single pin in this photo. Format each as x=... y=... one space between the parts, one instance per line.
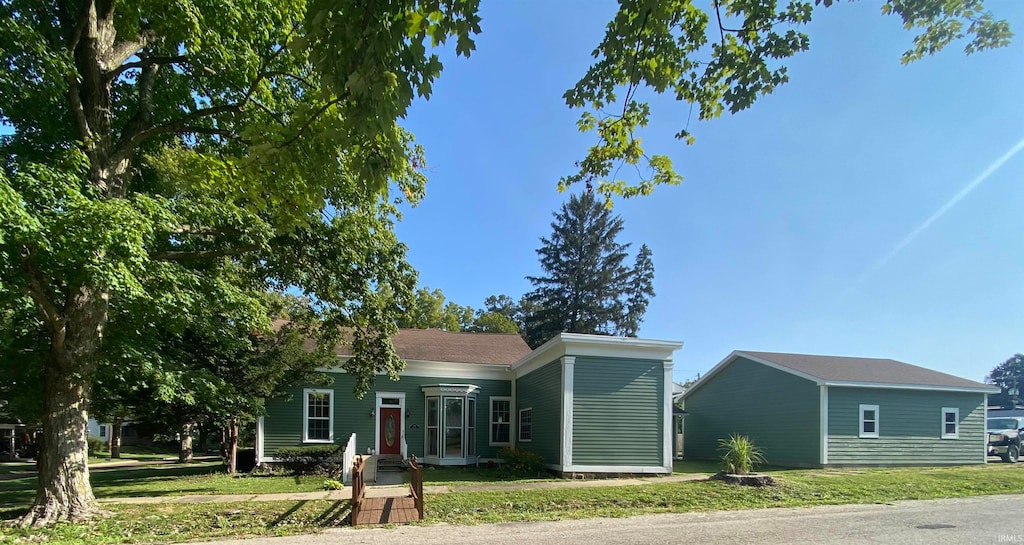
x=166 y=522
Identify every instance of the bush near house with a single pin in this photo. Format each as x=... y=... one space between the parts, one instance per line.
x=317 y=460
x=521 y=462
x=96 y=446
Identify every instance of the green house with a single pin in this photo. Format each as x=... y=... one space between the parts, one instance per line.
x=589 y=404
x=818 y=411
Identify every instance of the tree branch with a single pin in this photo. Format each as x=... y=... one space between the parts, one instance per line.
x=147 y=61
x=37 y=290
x=132 y=139
x=201 y=254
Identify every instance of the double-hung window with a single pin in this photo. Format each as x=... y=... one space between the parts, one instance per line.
x=868 y=421
x=103 y=431
x=318 y=416
x=501 y=421
x=526 y=424
x=950 y=423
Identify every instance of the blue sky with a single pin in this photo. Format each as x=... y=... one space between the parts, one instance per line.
x=802 y=224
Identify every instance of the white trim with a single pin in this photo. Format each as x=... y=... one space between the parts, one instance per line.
x=823 y=418
x=578 y=344
x=519 y=426
x=968 y=389
x=401 y=419
x=259 y=440
x=305 y=415
x=659 y=470
x=670 y=430
x=984 y=436
x=512 y=430
x=568 y=382
x=731 y=358
x=491 y=422
x=956 y=423
x=860 y=422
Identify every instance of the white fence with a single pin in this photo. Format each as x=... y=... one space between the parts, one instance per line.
x=348 y=457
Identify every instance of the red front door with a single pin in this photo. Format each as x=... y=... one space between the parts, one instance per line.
x=390 y=430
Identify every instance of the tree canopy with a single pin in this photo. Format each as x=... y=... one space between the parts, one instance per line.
x=1009 y=376
x=716 y=57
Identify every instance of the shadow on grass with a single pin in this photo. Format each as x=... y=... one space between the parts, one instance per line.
x=284 y=516
x=337 y=511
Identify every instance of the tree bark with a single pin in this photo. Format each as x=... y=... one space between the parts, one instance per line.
x=115 y=438
x=64 y=491
x=185 y=450
x=232 y=446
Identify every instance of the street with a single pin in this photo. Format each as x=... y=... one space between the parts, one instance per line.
x=985 y=519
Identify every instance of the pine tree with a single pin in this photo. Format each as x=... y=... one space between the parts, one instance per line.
x=586 y=287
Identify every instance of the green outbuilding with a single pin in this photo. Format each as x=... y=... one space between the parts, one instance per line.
x=588 y=404
x=827 y=411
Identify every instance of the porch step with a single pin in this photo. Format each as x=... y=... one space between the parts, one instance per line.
x=390 y=462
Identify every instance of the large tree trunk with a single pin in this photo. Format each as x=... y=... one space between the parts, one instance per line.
x=232 y=447
x=64 y=491
x=185 y=444
x=115 y=438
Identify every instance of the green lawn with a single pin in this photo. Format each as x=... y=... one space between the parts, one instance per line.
x=453 y=476
x=167 y=480
x=186 y=522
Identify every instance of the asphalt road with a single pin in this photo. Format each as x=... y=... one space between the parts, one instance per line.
x=987 y=520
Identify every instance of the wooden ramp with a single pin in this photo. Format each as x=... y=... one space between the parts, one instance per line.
x=387 y=511
x=393 y=510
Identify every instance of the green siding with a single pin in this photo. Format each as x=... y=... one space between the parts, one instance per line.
x=542 y=390
x=909 y=427
x=282 y=427
x=618 y=412
x=777 y=410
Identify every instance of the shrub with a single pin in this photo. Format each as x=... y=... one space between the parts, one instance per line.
x=521 y=462
x=333 y=484
x=318 y=460
x=739 y=454
x=96 y=446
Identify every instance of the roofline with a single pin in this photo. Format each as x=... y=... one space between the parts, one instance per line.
x=560 y=345
x=969 y=389
x=821 y=382
x=737 y=353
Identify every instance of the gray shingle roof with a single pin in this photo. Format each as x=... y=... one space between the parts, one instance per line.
x=870 y=370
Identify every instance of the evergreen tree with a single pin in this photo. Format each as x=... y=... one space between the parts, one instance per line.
x=586 y=287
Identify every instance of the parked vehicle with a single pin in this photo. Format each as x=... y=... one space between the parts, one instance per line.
x=1004 y=437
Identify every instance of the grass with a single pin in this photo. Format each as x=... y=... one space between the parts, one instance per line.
x=454 y=476
x=165 y=523
x=797 y=489
x=167 y=480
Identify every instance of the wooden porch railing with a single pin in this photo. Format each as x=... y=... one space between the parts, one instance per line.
x=358 y=487
x=416 y=484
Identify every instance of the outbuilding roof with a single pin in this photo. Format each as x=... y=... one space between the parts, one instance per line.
x=854 y=371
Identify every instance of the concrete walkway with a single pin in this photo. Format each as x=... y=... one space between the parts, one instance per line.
x=402 y=490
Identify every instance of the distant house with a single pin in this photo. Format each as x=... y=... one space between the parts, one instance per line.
x=816 y=411
x=585 y=403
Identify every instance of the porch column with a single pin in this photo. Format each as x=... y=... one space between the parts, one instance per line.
x=568 y=363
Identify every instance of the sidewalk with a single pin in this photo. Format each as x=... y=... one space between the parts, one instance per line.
x=403 y=490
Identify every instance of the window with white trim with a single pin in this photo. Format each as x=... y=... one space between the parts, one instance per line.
x=526 y=424
x=318 y=416
x=103 y=431
x=868 y=421
x=950 y=423
x=501 y=421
